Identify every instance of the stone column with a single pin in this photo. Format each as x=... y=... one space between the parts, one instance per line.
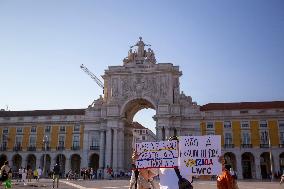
x=276 y=161
x=67 y=165
x=167 y=133
x=108 y=151
x=257 y=166
x=239 y=165
x=159 y=133
x=102 y=149
x=121 y=149
x=114 y=150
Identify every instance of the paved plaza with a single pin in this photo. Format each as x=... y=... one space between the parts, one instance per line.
x=124 y=184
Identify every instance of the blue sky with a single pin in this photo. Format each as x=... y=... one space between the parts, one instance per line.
x=228 y=51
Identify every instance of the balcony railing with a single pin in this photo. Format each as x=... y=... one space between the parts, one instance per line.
x=229 y=145
x=75 y=148
x=246 y=145
x=264 y=146
x=47 y=148
x=3 y=148
x=31 y=148
x=17 y=148
x=94 y=147
x=60 y=148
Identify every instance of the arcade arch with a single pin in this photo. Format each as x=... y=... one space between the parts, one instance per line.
x=265 y=165
x=75 y=163
x=248 y=165
x=3 y=158
x=94 y=161
x=230 y=160
x=31 y=161
x=61 y=160
x=17 y=162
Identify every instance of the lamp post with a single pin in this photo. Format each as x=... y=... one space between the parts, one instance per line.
x=45 y=141
x=271 y=158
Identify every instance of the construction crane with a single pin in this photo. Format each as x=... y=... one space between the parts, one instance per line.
x=97 y=80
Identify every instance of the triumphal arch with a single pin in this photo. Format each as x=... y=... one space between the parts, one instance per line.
x=139 y=82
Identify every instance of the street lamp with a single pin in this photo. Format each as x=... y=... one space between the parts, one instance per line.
x=45 y=141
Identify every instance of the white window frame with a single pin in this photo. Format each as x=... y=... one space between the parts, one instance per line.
x=243 y=138
x=76 y=126
x=263 y=124
x=17 y=143
x=77 y=141
x=226 y=125
x=33 y=145
x=62 y=129
x=19 y=130
x=59 y=141
x=245 y=123
x=281 y=137
x=47 y=130
x=5 y=130
x=210 y=122
x=281 y=124
x=33 y=127
x=225 y=138
x=262 y=140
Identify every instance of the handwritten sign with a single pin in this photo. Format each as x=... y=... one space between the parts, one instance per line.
x=199 y=154
x=163 y=154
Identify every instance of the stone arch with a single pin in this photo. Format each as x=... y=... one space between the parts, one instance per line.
x=94 y=161
x=265 y=165
x=45 y=164
x=231 y=161
x=248 y=165
x=31 y=161
x=60 y=159
x=75 y=163
x=16 y=162
x=133 y=105
x=3 y=158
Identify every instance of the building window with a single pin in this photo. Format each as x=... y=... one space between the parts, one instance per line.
x=18 y=141
x=32 y=141
x=77 y=128
x=6 y=130
x=61 y=141
x=47 y=129
x=19 y=130
x=4 y=141
x=62 y=129
x=143 y=138
x=281 y=124
x=227 y=125
x=264 y=137
x=228 y=138
x=143 y=131
x=33 y=129
x=95 y=141
x=246 y=138
x=281 y=137
x=209 y=125
x=263 y=124
x=244 y=124
x=76 y=141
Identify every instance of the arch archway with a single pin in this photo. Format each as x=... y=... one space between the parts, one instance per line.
x=17 y=162
x=231 y=160
x=61 y=160
x=31 y=161
x=265 y=165
x=248 y=165
x=128 y=111
x=281 y=162
x=3 y=158
x=75 y=162
x=94 y=161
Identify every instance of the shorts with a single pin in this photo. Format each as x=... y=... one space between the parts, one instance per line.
x=55 y=177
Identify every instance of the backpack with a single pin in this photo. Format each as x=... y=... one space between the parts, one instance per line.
x=182 y=182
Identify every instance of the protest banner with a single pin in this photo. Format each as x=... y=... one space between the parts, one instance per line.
x=199 y=155
x=163 y=154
